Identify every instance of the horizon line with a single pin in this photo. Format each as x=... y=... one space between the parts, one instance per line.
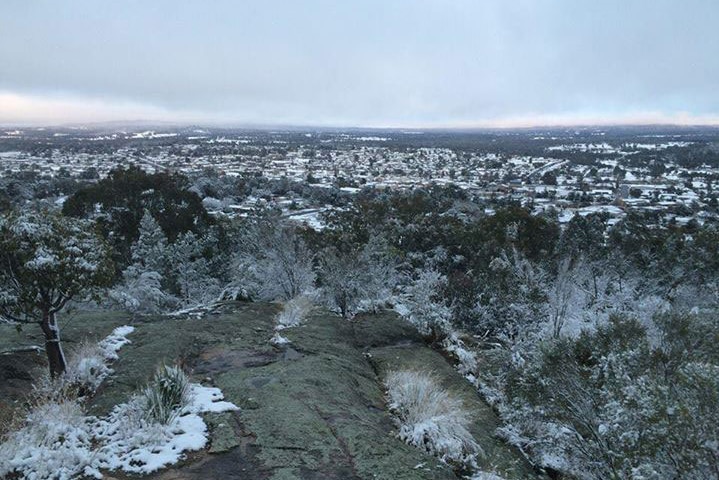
x=299 y=126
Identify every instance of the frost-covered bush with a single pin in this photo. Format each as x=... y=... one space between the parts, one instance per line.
x=87 y=367
x=467 y=363
x=354 y=281
x=274 y=262
x=512 y=296
x=431 y=418
x=192 y=275
x=425 y=308
x=141 y=291
x=166 y=274
x=166 y=395
x=54 y=443
x=293 y=312
x=616 y=402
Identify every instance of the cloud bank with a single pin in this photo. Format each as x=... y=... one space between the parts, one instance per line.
x=372 y=63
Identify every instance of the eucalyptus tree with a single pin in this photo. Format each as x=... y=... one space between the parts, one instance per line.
x=46 y=261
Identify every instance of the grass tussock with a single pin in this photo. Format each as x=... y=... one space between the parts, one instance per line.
x=431 y=418
x=166 y=394
x=294 y=312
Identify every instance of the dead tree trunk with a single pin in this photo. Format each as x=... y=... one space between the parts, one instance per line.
x=53 y=349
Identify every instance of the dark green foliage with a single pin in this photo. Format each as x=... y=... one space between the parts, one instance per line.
x=583 y=236
x=47 y=261
x=120 y=200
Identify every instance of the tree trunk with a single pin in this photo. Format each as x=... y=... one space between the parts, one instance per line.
x=53 y=349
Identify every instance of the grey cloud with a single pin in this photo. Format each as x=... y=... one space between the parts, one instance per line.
x=369 y=62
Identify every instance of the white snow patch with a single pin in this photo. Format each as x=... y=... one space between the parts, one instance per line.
x=133 y=445
x=486 y=476
x=59 y=441
x=278 y=339
x=88 y=366
x=116 y=340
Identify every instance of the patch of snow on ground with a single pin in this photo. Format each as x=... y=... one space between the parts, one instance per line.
x=133 y=445
x=486 y=476
x=115 y=341
x=278 y=339
x=88 y=366
x=55 y=443
x=59 y=441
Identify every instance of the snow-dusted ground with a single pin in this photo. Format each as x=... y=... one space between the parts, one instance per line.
x=134 y=445
x=89 y=366
x=60 y=441
x=115 y=341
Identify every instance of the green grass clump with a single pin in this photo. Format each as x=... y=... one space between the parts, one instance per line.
x=166 y=395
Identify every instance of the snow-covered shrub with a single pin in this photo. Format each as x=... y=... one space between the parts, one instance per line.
x=87 y=367
x=431 y=418
x=54 y=443
x=293 y=312
x=141 y=291
x=425 y=308
x=566 y=298
x=192 y=273
x=358 y=281
x=165 y=274
x=150 y=250
x=274 y=263
x=166 y=395
x=142 y=287
x=512 y=296
x=467 y=363
x=613 y=403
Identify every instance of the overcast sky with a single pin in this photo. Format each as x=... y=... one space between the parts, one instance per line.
x=360 y=62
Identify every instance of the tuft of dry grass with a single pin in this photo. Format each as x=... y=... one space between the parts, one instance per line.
x=294 y=312
x=431 y=418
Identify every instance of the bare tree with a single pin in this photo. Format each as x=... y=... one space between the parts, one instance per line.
x=354 y=280
x=275 y=261
x=565 y=297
